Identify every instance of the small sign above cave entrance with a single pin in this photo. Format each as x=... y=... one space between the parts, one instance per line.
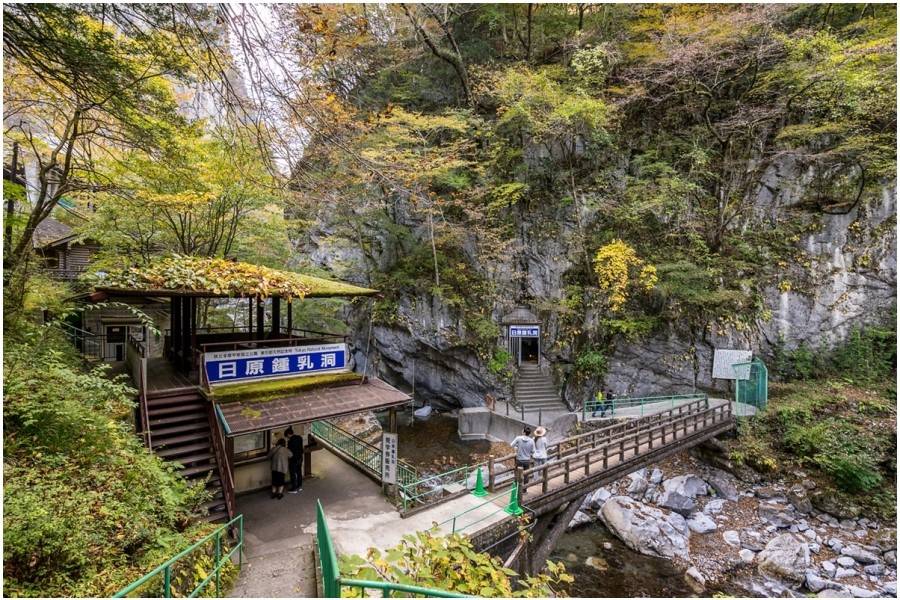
x=523 y=335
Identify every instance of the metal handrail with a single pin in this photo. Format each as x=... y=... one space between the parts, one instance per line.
x=408 y=493
x=353 y=447
x=220 y=561
x=332 y=582
x=612 y=404
x=223 y=458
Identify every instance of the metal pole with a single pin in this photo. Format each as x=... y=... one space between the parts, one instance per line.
x=218 y=559
x=167 y=582
x=540 y=416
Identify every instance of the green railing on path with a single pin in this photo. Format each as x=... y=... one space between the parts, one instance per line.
x=333 y=583
x=360 y=451
x=221 y=557
x=608 y=408
x=431 y=487
x=502 y=502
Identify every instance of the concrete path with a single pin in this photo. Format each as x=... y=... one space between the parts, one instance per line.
x=279 y=534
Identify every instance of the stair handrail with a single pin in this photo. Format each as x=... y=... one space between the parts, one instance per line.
x=222 y=458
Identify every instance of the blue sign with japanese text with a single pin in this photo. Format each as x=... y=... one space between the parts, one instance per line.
x=524 y=331
x=265 y=363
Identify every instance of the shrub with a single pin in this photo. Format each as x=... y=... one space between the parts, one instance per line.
x=590 y=363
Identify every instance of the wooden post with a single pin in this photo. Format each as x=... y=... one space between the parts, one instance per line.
x=587 y=465
x=392 y=419
x=260 y=316
x=290 y=317
x=568 y=468
x=491 y=474
x=185 y=334
x=193 y=333
x=276 y=316
x=544 y=474
x=174 y=327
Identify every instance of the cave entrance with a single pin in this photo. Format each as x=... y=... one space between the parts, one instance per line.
x=528 y=350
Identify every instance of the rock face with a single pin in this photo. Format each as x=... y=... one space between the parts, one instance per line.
x=785 y=557
x=645 y=529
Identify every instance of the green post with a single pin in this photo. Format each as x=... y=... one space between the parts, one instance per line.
x=217 y=566
x=241 y=542
x=167 y=582
x=513 y=507
x=479 y=491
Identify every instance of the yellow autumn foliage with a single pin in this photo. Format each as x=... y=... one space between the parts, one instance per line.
x=619 y=268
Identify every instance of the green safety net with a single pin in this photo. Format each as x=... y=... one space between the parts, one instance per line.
x=752 y=384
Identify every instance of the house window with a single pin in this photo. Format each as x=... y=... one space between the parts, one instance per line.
x=250 y=445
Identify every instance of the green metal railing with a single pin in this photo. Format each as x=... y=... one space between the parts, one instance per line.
x=431 y=487
x=501 y=502
x=359 y=451
x=751 y=386
x=608 y=408
x=333 y=583
x=221 y=557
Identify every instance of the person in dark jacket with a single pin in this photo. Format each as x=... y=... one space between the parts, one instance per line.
x=295 y=445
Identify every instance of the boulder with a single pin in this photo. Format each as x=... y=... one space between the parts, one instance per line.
x=723 y=484
x=599 y=497
x=798 y=497
x=776 y=513
x=846 y=562
x=701 y=523
x=638 y=486
x=752 y=540
x=580 y=518
x=831 y=503
x=643 y=528
x=859 y=554
x=843 y=573
x=785 y=557
x=890 y=588
x=714 y=506
x=690 y=486
x=835 y=544
x=814 y=583
x=891 y=558
x=829 y=568
x=877 y=569
x=860 y=592
x=656 y=476
x=679 y=523
x=677 y=502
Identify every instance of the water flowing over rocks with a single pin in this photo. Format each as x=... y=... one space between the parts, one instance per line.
x=755 y=538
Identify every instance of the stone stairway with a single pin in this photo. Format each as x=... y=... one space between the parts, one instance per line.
x=535 y=390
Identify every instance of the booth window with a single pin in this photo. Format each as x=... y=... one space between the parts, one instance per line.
x=250 y=445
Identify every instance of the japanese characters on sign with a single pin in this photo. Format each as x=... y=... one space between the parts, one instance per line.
x=524 y=331
x=389 y=457
x=731 y=364
x=264 y=363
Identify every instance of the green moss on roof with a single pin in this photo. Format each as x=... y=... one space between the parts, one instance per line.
x=263 y=391
x=224 y=278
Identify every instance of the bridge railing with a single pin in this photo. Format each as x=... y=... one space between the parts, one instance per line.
x=609 y=407
x=359 y=452
x=502 y=470
x=618 y=450
x=430 y=489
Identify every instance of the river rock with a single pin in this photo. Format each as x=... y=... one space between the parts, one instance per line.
x=877 y=569
x=677 y=502
x=732 y=537
x=814 y=583
x=596 y=562
x=886 y=540
x=752 y=540
x=775 y=513
x=798 y=497
x=656 y=476
x=843 y=573
x=831 y=503
x=723 y=484
x=679 y=523
x=860 y=592
x=838 y=593
x=599 y=497
x=686 y=485
x=891 y=558
x=835 y=544
x=714 y=507
x=580 y=518
x=890 y=588
x=859 y=554
x=695 y=579
x=785 y=557
x=846 y=562
x=701 y=523
x=747 y=556
x=829 y=568
x=638 y=486
x=643 y=528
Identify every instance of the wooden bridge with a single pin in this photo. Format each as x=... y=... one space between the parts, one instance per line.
x=581 y=463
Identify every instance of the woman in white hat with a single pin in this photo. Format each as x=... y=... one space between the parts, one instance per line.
x=540 y=447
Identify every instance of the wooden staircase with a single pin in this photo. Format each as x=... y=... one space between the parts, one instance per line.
x=183 y=429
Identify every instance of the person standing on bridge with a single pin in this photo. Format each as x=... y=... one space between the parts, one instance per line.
x=540 y=447
x=524 y=446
